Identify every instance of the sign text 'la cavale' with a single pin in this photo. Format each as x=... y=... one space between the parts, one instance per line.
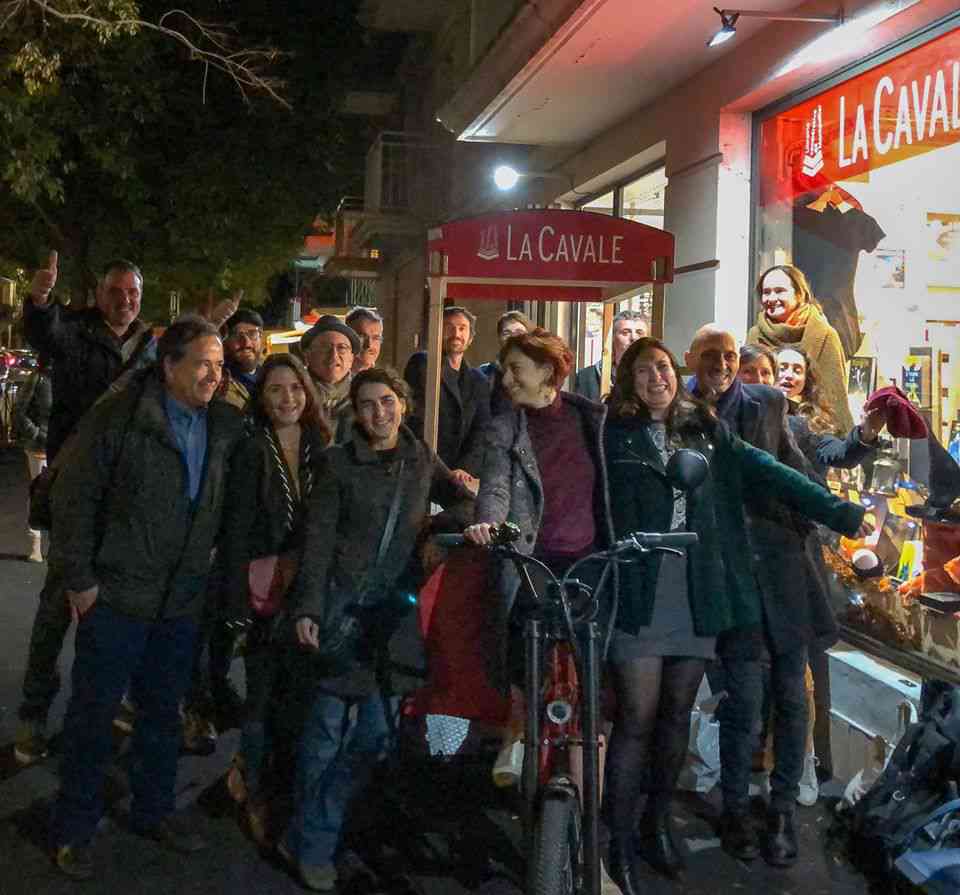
x=545 y=245
x=925 y=106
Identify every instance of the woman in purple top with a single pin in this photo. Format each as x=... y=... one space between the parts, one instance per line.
x=543 y=469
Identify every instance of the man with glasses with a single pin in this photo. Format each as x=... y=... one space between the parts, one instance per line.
x=628 y=326
x=243 y=347
x=329 y=349
x=368 y=324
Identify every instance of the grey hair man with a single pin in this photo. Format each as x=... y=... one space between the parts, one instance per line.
x=628 y=326
x=368 y=324
x=136 y=514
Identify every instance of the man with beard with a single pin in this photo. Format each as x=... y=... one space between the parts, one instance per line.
x=758 y=414
x=329 y=348
x=243 y=348
x=464 y=397
x=367 y=324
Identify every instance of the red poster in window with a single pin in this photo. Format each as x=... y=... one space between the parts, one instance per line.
x=896 y=110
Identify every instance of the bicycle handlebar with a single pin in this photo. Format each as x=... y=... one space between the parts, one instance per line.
x=638 y=540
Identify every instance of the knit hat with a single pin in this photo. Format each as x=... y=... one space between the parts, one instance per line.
x=944 y=487
x=328 y=323
x=245 y=315
x=903 y=421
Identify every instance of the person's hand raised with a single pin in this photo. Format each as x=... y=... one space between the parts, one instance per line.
x=226 y=308
x=43 y=282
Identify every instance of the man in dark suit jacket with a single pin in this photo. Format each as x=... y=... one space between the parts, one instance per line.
x=757 y=413
x=464 y=396
x=628 y=326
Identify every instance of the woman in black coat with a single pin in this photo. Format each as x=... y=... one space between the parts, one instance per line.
x=814 y=429
x=672 y=608
x=367 y=510
x=272 y=474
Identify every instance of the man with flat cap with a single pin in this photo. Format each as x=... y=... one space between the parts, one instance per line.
x=328 y=348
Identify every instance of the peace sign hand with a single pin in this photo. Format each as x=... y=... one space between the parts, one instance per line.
x=43 y=282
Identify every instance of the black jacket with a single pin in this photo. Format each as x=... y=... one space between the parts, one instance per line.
x=587 y=382
x=346 y=516
x=499 y=399
x=87 y=359
x=122 y=518
x=255 y=521
x=794 y=608
x=31 y=411
x=463 y=416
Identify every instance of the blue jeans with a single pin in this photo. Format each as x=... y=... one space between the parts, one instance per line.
x=339 y=749
x=739 y=715
x=110 y=647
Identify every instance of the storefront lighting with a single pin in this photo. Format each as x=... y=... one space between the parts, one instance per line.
x=729 y=17
x=842 y=39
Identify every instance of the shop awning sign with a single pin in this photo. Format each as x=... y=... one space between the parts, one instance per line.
x=569 y=249
x=892 y=112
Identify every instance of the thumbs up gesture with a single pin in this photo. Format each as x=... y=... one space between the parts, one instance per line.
x=43 y=282
x=226 y=308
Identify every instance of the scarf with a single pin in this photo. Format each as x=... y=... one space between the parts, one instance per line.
x=727 y=405
x=332 y=395
x=292 y=502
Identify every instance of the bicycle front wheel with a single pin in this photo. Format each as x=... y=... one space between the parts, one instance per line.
x=555 y=861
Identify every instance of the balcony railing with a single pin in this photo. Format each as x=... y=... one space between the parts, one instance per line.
x=402 y=175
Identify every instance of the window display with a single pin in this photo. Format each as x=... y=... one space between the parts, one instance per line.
x=857 y=189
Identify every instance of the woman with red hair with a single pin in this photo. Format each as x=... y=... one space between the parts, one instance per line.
x=543 y=470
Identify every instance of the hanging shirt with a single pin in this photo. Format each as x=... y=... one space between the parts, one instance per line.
x=826 y=247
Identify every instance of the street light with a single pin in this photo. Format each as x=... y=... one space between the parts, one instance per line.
x=505 y=177
x=729 y=17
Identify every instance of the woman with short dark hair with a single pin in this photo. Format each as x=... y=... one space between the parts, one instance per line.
x=672 y=608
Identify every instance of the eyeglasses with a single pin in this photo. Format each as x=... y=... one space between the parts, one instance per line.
x=327 y=350
x=250 y=335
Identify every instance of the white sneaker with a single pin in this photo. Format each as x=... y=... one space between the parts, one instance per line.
x=509 y=765
x=759 y=785
x=36 y=547
x=809 y=785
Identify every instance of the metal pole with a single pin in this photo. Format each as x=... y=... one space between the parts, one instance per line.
x=779 y=17
x=434 y=346
x=533 y=641
x=590 y=692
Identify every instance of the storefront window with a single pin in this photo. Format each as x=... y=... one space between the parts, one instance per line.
x=600 y=204
x=643 y=199
x=858 y=188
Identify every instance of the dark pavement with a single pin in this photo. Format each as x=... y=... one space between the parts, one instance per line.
x=232 y=865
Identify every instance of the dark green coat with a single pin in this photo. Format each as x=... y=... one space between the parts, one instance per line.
x=121 y=516
x=722 y=585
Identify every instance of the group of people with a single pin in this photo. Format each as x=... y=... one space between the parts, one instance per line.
x=185 y=465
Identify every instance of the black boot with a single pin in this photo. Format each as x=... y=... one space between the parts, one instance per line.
x=738 y=837
x=655 y=841
x=622 y=864
x=780 y=839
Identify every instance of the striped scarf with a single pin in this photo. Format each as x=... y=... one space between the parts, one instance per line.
x=292 y=502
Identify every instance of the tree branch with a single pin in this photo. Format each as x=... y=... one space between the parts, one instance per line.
x=208 y=42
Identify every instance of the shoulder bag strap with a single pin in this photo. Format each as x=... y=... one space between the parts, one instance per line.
x=392 y=517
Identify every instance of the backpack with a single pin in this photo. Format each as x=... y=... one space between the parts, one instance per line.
x=921 y=776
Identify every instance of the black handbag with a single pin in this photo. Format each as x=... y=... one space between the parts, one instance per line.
x=39 y=516
x=347 y=617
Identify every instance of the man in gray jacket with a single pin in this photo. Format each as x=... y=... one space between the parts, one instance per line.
x=136 y=513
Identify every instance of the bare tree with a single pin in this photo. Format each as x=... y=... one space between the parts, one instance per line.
x=213 y=45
